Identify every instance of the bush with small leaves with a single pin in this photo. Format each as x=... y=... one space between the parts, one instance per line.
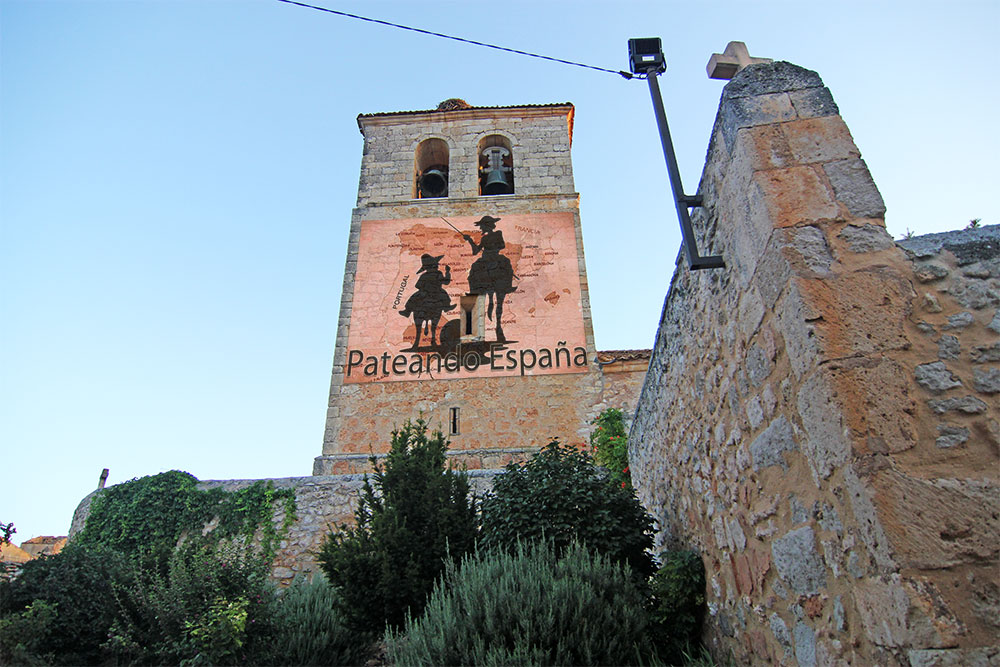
x=561 y=496
x=23 y=635
x=205 y=607
x=678 y=609
x=609 y=440
x=413 y=516
x=528 y=606
x=77 y=584
x=307 y=628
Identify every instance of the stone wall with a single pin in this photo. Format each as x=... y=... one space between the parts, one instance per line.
x=322 y=504
x=819 y=419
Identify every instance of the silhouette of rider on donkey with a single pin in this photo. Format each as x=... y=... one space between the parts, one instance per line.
x=430 y=299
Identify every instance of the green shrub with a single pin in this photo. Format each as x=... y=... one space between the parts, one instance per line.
x=76 y=583
x=560 y=495
x=609 y=441
x=23 y=635
x=412 y=517
x=528 y=606
x=307 y=628
x=678 y=610
x=204 y=607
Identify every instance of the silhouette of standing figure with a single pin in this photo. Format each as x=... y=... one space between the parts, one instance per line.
x=430 y=299
x=492 y=273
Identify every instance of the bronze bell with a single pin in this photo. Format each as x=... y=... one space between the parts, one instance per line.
x=433 y=183
x=496 y=183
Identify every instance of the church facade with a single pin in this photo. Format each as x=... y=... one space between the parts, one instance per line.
x=465 y=297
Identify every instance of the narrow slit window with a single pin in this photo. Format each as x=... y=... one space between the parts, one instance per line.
x=453 y=421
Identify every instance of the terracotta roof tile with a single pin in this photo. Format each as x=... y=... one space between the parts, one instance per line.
x=610 y=356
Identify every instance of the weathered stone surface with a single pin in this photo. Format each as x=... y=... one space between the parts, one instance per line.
x=889 y=618
x=955 y=657
x=968 y=245
x=986 y=381
x=959 y=321
x=970 y=405
x=853 y=185
x=951 y=436
x=813 y=102
x=795 y=557
x=758 y=365
x=780 y=631
x=819 y=140
x=795 y=196
x=929 y=272
x=805 y=644
x=866 y=238
x=995 y=322
x=936 y=378
x=766 y=78
x=982 y=354
x=811 y=247
x=939 y=523
x=827 y=445
x=769 y=447
x=949 y=347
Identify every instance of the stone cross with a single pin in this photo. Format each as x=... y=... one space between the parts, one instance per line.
x=725 y=65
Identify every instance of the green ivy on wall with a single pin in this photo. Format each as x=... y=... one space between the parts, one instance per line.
x=149 y=515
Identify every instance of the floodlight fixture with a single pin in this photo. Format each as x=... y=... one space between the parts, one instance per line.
x=645 y=55
x=646 y=60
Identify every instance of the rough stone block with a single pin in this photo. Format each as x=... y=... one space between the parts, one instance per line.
x=982 y=354
x=936 y=378
x=820 y=140
x=949 y=347
x=795 y=196
x=771 y=78
x=813 y=102
x=798 y=563
x=810 y=250
x=866 y=238
x=986 y=381
x=769 y=447
x=938 y=523
x=970 y=405
x=853 y=185
x=951 y=436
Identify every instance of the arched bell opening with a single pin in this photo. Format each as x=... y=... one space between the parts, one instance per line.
x=431 y=169
x=496 y=166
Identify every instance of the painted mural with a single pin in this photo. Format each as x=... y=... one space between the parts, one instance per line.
x=461 y=297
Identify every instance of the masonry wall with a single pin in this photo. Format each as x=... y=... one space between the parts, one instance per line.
x=503 y=418
x=322 y=504
x=819 y=419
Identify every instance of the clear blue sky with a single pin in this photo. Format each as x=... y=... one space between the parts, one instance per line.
x=177 y=179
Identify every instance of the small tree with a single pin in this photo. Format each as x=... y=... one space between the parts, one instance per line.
x=609 y=440
x=560 y=495
x=414 y=514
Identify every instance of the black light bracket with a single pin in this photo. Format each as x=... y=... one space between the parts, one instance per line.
x=647 y=62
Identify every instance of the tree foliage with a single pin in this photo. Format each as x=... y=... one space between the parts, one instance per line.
x=609 y=440
x=413 y=515
x=561 y=496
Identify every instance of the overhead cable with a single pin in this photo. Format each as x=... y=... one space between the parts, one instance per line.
x=627 y=75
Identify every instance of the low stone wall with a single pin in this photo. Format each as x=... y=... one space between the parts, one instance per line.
x=819 y=419
x=322 y=504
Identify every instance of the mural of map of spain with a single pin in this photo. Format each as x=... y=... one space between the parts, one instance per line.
x=461 y=297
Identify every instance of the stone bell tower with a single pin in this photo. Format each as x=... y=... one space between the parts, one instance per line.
x=465 y=291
